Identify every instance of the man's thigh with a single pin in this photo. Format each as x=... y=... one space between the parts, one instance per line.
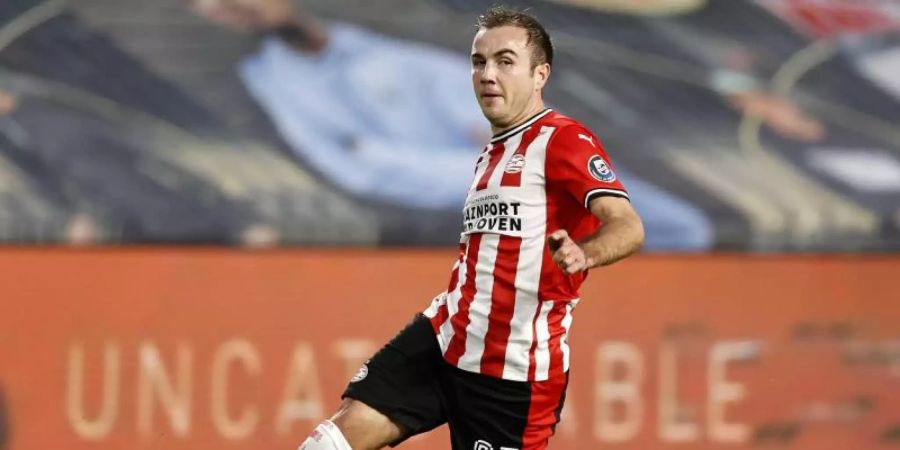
x=486 y=413
x=400 y=380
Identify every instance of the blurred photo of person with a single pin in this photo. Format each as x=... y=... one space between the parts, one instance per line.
x=379 y=117
x=391 y=120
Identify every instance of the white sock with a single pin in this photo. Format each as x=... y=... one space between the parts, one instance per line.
x=326 y=436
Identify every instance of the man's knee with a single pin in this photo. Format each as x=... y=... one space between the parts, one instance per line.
x=326 y=436
x=365 y=427
x=354 y=426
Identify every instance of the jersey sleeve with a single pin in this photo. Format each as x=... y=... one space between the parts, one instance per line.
x=577 y=162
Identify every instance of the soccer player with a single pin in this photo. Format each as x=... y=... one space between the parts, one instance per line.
x=490 y=356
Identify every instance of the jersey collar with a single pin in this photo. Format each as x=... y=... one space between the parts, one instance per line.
x=519 y=128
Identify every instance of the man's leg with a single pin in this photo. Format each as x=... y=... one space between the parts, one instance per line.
x=354 y=426
x=394 y=396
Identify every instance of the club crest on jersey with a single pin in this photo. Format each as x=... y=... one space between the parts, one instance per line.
x=600 y=170
x=360 y=374
x=516 y=164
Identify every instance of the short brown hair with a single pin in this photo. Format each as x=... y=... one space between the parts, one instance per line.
x=538 y=39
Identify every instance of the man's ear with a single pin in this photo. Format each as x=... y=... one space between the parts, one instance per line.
x=542 y=74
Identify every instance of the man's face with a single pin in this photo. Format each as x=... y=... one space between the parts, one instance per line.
x=505 y=85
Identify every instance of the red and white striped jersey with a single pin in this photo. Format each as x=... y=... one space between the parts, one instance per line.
x=508 y=308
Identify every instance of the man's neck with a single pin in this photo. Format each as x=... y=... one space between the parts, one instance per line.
x=527 y=114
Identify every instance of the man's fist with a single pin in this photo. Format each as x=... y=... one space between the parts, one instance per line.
x=567 y=254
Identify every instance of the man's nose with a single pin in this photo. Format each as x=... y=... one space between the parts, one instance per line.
x=489 y=74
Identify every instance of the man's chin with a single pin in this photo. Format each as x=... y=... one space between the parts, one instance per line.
x=492 y=114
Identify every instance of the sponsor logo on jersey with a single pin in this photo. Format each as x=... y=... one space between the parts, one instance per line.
x=516 y=164
x=600 y=170
x=491 y=214
x=360 y=374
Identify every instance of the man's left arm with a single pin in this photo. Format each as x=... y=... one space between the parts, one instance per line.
x=620 y=235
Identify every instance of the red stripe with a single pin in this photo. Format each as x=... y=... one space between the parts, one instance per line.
x=515 y=179
x=545 y=401
x=503 y=300
x=460 y=320
x=495 y=155
x=439 y=318
x=554 y=322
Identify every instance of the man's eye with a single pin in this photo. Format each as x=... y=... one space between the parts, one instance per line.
x=505 y=62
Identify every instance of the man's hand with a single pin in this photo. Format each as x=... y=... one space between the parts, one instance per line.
x=567 y=254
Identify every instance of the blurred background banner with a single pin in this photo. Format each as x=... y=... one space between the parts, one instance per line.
x=757 y=125
x=211 y=349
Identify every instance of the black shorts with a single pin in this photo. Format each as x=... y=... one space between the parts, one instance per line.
x=409 y=382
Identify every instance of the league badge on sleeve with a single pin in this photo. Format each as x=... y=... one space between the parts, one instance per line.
x=600 y=170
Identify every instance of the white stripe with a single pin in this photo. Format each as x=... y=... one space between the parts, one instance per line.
x=510 y=147
x=564 y=340
x=531 y=258
x=528 y=274
x=616 y=192
x=535 y=162
x=435 y=305
x=542 y=351
x=446 y=330
x=480 y=308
